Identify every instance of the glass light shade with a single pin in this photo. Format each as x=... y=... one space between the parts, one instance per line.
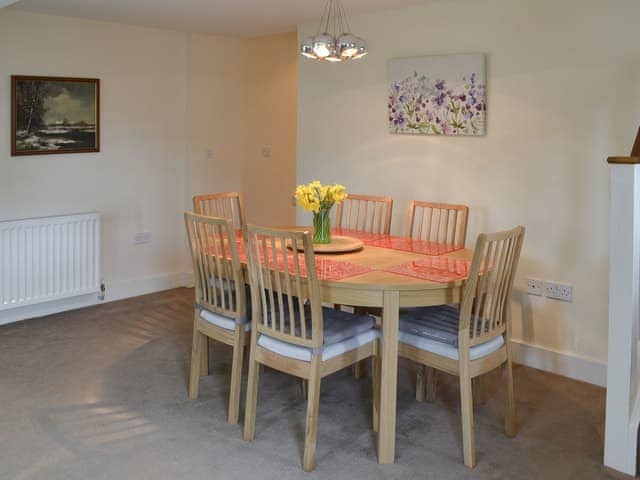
x=323 y=45
x=306 y=47
x=347 y=45
x=333 y=58
x=361 y=45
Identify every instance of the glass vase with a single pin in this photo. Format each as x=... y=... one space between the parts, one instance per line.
x=322 y=226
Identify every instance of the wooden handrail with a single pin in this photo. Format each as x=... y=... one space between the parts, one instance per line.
x=634 y=158
x=623 y=160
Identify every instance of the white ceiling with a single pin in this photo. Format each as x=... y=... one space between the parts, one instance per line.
x=244 y=18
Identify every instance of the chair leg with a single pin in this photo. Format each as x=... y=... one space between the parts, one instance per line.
x=479 y=386
x=360 y=368
x=466 y=410
x=510 y=419
x=430 y=384
x=420 y=385
x=196 y=363
x=313 y=405
x=375 y=380
x=204 y=359
x=252 y=397
x=236 y=375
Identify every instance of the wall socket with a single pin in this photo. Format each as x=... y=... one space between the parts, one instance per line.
x=556 y=290
x=142 y=237
x=559 y=291
x=534 y=286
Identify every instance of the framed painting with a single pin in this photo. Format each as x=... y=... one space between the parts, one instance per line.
x=438 y=95
x=52 y=115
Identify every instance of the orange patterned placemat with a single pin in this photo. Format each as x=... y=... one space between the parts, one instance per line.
x=422 y=247
x=434 y=268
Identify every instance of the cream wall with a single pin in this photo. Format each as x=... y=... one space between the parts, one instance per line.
x=167 y=98
x=137 y=180
x=217 y=114
x=271 y=105
x=242 y=97
x=562 y=95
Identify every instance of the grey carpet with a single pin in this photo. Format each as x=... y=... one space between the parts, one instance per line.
x=101 y=393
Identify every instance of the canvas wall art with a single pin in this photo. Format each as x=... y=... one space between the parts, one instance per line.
x=54 y=115
x=438 y=95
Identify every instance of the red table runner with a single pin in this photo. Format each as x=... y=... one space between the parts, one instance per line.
x=404 y=244
x=327 y=269
x=433 y=267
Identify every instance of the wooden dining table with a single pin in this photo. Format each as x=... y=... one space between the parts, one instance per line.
x=391 y=273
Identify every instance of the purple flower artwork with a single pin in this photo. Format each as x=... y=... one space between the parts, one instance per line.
x=438 y=95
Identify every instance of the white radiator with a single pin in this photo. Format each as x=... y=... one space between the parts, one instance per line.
x=44 y=259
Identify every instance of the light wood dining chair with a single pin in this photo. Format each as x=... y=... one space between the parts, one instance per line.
x=220 y=301
x=365 y=213
x=293 y=333
x=437 y=222
x=474 y=339
x=227 y=205
x=370 y=214
x=441 y=223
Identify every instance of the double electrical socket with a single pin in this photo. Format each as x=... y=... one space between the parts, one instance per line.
x=141 y=237
x=559 y=291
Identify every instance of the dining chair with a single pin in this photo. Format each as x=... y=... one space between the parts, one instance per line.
x=221 y=311
x=437 y=222
x=370 y=214
x=474 y=339
x=293 y=333
x=365 y=213
x=444 y=223
x=227 y=205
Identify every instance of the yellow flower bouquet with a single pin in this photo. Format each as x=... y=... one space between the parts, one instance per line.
x=318 y=199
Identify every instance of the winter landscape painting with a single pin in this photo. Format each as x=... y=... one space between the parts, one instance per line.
x=438 y=95
x=54 y=115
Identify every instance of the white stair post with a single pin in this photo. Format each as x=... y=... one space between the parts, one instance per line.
x=623 y=409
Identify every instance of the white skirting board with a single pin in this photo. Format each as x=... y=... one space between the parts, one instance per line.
x=114 y=291
x=561 y=363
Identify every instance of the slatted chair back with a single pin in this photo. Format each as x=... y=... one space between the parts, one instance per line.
x=438 y=222
x=224 y=205
x=219 y=282
x=484 y=312
x=365 y=213
x=283 y=279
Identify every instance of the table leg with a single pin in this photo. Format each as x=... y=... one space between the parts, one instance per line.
x=389 y=378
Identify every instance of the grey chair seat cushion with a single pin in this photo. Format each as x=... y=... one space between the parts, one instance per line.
x=223 y=322
x=434 y=323
x=342 y=331
x=230 y=296
x=337 y=325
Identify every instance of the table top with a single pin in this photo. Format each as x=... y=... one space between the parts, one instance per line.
x=393 y=263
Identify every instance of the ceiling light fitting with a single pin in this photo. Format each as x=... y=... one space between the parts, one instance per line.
x=335 y=43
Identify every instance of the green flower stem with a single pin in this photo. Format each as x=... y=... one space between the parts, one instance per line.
x=322 y=226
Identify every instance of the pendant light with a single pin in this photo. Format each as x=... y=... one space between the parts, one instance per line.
x=333 y=41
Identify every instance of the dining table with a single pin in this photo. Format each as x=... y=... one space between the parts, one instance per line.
x=391 y=272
